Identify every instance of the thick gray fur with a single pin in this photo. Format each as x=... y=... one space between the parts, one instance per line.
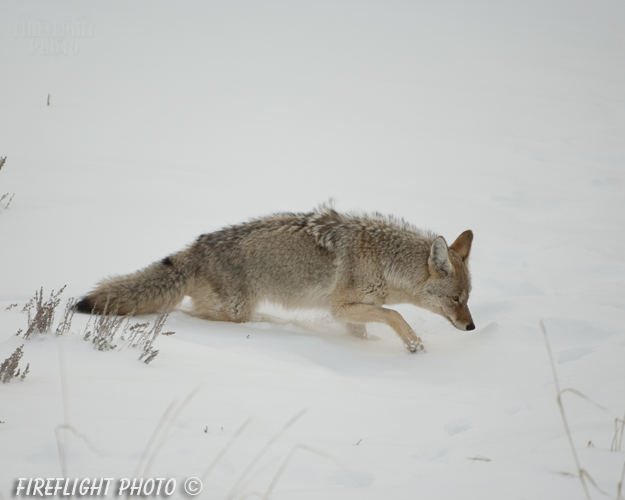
x=350 y=264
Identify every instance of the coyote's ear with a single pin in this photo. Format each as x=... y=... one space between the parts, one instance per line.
x=462 y=245
x=439 y=260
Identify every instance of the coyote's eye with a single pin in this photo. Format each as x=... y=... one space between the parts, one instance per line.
x=456 y=299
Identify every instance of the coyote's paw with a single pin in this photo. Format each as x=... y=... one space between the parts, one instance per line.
x=415 y=345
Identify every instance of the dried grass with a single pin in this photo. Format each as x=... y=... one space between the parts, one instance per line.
x=68 y=314
x=106 y=326
x=3 y=159
x=617 y=440
x=40 y=313
x=9 y=368
x=240 y=483
x=101 y=330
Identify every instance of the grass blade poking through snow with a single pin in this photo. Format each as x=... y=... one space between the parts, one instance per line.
x=165 y=433
x=581 y=473
x=290 y=456
x=106 y=326
x=2 y=160
x=68 y=314
x=155 y=433
x=619 y=427
x=225 y=449
x=40 y=313
x=9 y=368
x=262 y=452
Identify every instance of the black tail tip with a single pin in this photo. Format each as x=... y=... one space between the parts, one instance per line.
x=84 y=306
x=471 y=327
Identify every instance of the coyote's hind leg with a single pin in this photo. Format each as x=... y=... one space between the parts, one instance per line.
x=208 y=304
x=358 y=330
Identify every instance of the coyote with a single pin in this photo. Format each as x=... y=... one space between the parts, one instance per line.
x=351 y=264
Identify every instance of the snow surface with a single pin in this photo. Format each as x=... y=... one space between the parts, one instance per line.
x=171 y=119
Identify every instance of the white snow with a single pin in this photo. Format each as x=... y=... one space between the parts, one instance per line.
x=172 y=119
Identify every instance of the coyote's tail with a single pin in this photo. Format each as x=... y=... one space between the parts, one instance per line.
x=153 y=289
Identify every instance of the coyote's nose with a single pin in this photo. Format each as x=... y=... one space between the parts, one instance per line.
x=471 y=327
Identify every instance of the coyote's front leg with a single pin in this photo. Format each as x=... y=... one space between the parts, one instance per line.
x=366 y=313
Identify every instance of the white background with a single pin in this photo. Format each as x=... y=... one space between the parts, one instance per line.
x=171 y=119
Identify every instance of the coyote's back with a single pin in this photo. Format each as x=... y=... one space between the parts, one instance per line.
x=347 y=263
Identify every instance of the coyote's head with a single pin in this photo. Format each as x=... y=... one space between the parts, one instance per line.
x=449 y=283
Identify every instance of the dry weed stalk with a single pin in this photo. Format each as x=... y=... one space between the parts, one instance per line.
x=10 y=199
x=135 y=333
x=139 y=336
x=9 y=368
x=147 y=341
x=617 y=440
x=225 y=449
x=2 y=160
x=619 y=424
x=241 y=483
x=106 y=326
x=68 y=314
x=290 y=456
x=165 y=422
x=40 y=313
x=619 y=486
x=103 y=331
